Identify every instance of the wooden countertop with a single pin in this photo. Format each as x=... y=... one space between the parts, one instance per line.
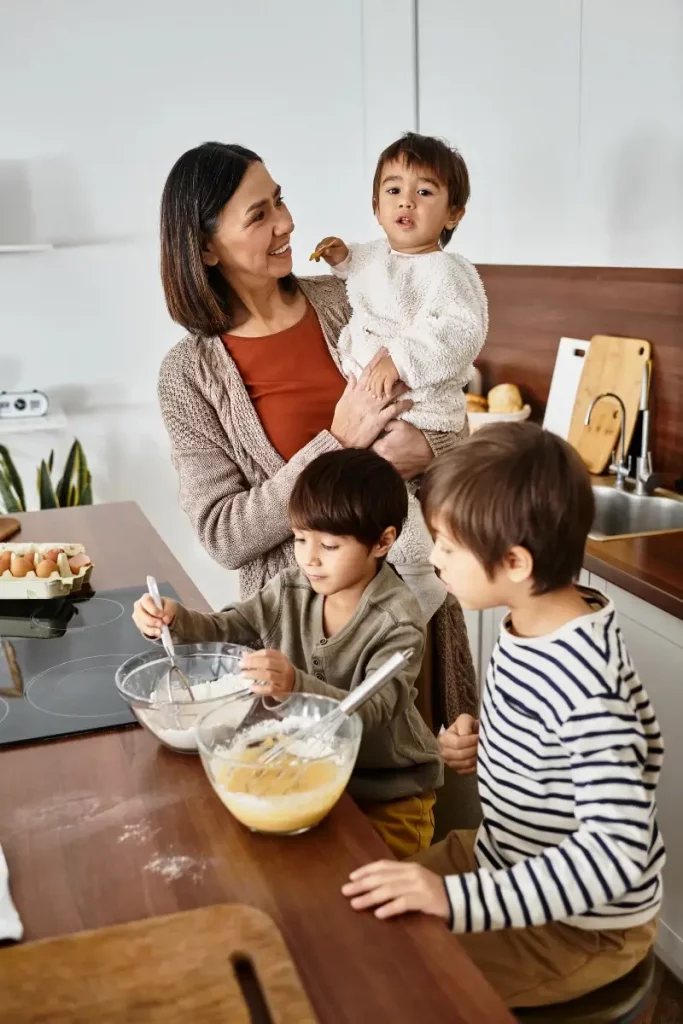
x=112 y=827
x=648 y=567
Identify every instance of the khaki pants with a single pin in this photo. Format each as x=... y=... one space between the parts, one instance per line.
x=406 y=825
x=547 y=964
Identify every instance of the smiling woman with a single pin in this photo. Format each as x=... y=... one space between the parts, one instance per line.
x=254 y=392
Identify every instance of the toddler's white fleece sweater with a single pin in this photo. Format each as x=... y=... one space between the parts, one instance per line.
x=429 y=311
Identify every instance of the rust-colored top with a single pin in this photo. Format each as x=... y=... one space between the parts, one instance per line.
x=292 y=381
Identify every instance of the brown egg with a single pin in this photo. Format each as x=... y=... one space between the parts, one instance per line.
x=45 y=569
x=19 y=566
x=53 y=554
x=5 y=559
x=78 y=562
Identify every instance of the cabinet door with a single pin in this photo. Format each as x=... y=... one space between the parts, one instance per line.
x=655 y=643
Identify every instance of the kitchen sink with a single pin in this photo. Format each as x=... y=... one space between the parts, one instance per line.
x=625 y=514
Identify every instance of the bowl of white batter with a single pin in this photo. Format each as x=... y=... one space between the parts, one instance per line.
x=170 y=714
x=295 y=793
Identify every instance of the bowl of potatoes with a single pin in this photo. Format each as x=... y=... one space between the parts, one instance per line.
x=503 y=404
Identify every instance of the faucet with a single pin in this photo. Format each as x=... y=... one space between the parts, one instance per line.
x=645 y=478
x=623 y=466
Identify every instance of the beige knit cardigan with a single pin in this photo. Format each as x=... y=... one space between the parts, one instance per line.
x=235 y=487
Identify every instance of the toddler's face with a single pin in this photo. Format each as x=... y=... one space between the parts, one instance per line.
x=412 y=208
x=332 y=563
x=464 y=576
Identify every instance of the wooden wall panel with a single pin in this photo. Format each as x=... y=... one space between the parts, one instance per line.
x=531 y=308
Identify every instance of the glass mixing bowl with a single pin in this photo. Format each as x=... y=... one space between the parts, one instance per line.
x=292 y=795
x=213 y=671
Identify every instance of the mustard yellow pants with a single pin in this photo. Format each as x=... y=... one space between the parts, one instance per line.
x=551 y=963
x=406 y=825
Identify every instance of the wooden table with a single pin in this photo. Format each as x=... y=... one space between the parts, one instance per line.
x=113 y=827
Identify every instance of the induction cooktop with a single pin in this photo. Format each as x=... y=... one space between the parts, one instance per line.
x=58 y=661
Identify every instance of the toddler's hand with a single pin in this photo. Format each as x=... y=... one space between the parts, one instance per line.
x=396 y=887
x=383 y=378
x=331 y=249
x=272 y=673
x=149 y=619
x=459 y=743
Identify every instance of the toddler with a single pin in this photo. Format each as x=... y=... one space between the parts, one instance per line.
x=424 y=308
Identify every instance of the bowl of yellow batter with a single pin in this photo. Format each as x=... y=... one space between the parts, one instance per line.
x=299 y=790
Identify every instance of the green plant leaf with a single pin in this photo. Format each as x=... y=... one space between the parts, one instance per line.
x=46 y=492
x=13 y=479
x=9 y=500
x=51 y=462
x=71 y=464
x=86 y=493
x=83 y=474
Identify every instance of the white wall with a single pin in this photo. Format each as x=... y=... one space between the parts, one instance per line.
x=99 y=100
x=570 y=116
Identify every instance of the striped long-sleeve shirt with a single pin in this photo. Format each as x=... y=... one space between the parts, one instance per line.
x=570 y=753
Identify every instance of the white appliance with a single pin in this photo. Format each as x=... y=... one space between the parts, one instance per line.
x=19 y=404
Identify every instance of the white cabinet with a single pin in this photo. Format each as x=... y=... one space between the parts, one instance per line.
x=568 y=114
x=655 y=642
x=501 y=81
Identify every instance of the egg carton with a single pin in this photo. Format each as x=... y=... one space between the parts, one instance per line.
x=31 y=586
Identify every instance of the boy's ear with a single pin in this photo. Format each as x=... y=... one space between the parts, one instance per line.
x=518 y=564
x=384 y=544
x=455 y=215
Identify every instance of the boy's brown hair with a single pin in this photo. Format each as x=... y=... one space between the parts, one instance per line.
x=444 y=162
x=514 y=484
x=349 y=493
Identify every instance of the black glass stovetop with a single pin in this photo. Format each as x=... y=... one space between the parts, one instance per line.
x=58 y=660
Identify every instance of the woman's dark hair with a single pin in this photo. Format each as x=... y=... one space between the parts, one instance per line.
x=444 y=162
x=349 y=493
x=514 y=484
x=201 y=182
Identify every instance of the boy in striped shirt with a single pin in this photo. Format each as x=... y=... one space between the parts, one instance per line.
x=556 y=894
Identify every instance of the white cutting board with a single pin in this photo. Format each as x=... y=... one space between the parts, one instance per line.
x=571 y=354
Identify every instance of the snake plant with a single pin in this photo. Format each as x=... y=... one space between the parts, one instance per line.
x=74 y=486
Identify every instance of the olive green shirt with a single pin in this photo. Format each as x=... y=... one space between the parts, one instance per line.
x=398 y=755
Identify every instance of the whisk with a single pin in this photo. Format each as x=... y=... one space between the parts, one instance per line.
x=168 y=646
x=318 y=734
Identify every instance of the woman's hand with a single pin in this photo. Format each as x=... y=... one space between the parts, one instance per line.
x=458 y=745
x=405 y=447
x=359 y=417
x=272 y=673
x=149 y=619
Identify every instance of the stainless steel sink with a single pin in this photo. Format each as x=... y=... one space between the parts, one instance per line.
x=625 y=514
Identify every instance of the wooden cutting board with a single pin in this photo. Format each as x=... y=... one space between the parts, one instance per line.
x=226 y=963
x=611 y=364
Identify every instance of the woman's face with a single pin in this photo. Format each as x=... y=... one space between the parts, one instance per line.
x=251 y=242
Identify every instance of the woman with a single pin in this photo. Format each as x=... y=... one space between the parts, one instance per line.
x=254 y=392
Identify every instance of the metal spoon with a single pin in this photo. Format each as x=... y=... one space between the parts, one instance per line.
x=168 y=643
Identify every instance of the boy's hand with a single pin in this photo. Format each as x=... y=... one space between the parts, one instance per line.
x=459 y=744
x=149 y=619
x=332 y=249
x=396 y=887
x=272 y=673
x=383 y=378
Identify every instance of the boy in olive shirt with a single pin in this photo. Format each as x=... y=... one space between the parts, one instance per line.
x=326 y=624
